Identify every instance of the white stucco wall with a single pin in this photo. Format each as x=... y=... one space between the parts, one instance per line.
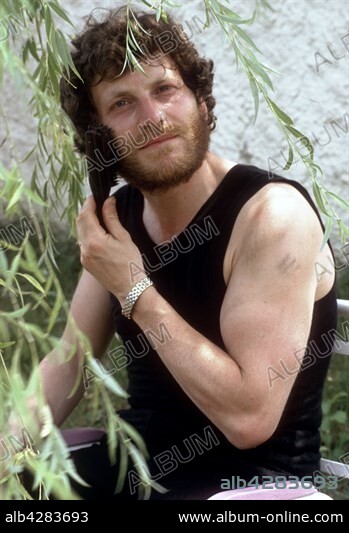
x=308 y=43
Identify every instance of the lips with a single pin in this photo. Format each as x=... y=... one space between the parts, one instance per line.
x=158 y=140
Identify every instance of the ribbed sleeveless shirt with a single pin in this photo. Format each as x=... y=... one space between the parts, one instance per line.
x=188 y=273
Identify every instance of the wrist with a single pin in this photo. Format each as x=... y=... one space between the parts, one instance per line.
x=134 y=294
x=149 y=307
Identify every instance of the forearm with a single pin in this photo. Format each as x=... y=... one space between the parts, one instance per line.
x=59 y=379
x=89 y=329
x=208 y=375
x=25 y=425
x=230 y=387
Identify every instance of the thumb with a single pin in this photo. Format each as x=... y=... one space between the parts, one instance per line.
x=110 y=216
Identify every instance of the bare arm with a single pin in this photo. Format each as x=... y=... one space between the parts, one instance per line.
x=92 y=313
x=265 y=316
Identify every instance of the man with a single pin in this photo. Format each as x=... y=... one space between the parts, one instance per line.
x=208 y=257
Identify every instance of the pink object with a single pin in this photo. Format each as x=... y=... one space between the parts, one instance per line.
x=251 y=493
x=82 y=437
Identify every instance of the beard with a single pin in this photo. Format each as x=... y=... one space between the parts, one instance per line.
x=168 y=166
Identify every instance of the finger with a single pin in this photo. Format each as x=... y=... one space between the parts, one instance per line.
x=111 y=219
x=87 y=222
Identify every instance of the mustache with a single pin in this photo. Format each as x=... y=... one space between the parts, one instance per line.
x=147 y=132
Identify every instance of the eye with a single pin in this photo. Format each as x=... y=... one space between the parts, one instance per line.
x=165 y=88
x=120 y=103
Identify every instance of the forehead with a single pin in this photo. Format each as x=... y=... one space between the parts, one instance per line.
x=154 y=72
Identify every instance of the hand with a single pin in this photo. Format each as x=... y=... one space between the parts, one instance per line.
x=110 y=257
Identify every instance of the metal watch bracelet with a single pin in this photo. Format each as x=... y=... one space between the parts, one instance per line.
x=133 y=296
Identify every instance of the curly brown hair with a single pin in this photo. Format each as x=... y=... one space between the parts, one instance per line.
x=99 y=53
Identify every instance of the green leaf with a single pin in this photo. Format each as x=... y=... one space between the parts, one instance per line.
x=279 y=112
x=16 y=196
x=259 y=69
x=254 y=59
x=14 y=265
x=33 y=49
x=52 y=71
x=64 y=52
x=35 y=330
x=225 y=13
x=316 y=168
x=55 y=312
x=48 y=22
x=60 y=12
x=35 y=197
x=33 y=281
x=339 y=200
x=172 y=4
x=122 y=470
x=343 y=229
x=111 y=429
x=134 y=43
x=318 y=194
x=230 y=20
x=159 y=12
x=108 y=381
x=266 y=5
x=328 y=231
x=303 y=139
x=7 y=344
x=18 y=313
x=142 y=468
x=246 y=38
x=25 y=52
x=290 y=158
x=136 y=437
x=28 y=155
x=298 y=134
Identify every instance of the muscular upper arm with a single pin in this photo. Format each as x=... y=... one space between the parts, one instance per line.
x=267 y=310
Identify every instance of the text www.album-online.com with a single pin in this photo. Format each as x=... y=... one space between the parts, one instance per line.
x=250 y=518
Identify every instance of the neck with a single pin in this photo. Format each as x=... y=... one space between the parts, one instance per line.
x=166 y=214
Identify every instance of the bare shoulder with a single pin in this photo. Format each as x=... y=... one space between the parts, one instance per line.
x=277 y=205
x=278 y=213
x=277 y=224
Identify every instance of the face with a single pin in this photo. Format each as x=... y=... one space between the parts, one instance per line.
x=158 y=124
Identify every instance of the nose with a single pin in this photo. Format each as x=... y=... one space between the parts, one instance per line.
x=149 y=110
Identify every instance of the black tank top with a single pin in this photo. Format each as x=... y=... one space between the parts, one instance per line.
x=188 y=273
